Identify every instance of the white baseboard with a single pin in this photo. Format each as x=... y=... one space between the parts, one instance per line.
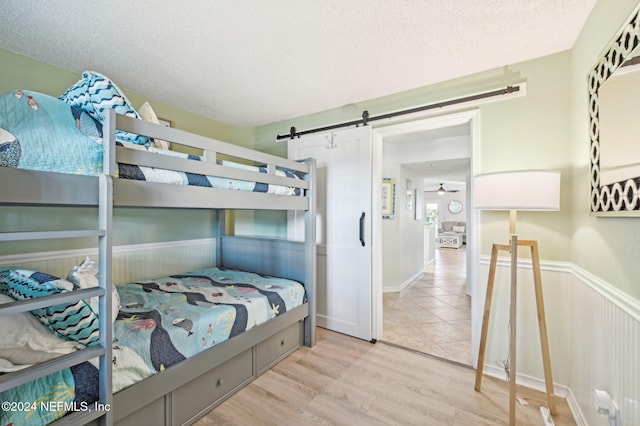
x=524 y=380
x=404 y=285
x=539 y=385
x=574 y=406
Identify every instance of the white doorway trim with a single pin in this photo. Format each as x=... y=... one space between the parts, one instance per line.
x=421 y=124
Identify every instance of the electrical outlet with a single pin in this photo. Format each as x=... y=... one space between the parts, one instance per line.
x=546 y=416
x=615 y=418
x=608 y=407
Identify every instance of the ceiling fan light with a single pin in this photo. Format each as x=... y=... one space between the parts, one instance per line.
x=441 y=190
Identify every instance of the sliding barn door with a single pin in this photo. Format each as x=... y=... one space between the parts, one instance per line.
x=343 y=162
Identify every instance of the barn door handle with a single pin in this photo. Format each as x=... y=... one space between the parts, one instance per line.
x=362 y=229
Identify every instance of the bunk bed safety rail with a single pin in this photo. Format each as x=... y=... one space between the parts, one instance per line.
x=214 y=153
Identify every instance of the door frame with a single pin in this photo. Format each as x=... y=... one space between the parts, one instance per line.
x=422 y=123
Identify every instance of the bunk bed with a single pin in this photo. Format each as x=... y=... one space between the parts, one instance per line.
x=183 y=392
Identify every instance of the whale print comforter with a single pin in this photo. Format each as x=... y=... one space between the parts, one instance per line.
x=40 y=132
x=166 y=320
x=160 y=323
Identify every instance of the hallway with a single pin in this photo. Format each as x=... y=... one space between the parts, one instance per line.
x=433 y=314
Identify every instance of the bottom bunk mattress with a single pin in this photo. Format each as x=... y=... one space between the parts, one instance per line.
x=166 y=320
x=160 y=323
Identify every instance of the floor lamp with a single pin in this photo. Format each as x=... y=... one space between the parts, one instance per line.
x=513 y=191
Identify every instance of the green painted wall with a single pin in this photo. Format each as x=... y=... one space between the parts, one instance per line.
x=518 y=133
x=548 y=128
x=20 y=72
x=132 y=226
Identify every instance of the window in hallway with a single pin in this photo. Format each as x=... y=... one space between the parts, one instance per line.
x=431 y=213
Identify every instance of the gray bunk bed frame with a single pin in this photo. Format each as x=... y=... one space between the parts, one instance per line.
x=186 y=391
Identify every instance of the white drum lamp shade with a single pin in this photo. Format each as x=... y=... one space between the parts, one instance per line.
x=518 y=190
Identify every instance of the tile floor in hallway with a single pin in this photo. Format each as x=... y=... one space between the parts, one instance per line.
x=433 y=314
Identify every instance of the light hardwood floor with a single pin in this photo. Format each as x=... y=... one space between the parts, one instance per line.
x=347 y=381
x=433 y=314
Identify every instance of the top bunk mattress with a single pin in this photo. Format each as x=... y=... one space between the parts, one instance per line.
x=43 y=133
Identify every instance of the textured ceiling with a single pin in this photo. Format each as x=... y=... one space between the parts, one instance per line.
x=256 y=61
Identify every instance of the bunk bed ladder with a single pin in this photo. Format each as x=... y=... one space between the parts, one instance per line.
x=105 y=249
x=105 y=252
x=102 y=408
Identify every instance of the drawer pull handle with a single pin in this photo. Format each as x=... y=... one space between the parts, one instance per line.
x=282 y=343
x=219 y=382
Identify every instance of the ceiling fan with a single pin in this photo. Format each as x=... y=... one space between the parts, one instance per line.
x=441 y=190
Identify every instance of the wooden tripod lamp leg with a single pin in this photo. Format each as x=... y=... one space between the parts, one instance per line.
x=544 y=342
x=542 y=324
x=485 y=317
x=512 y=327
x=485 y=322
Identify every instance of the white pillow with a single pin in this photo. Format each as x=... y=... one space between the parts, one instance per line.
x=455 y=228
x=85 y=275
x=26 y=341
x=148 y=114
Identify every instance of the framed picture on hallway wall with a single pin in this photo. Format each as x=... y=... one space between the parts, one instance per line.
x=388 y=198
x=417 y=210
x=408 y=200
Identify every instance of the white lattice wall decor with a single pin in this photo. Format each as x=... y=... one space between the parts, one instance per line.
x=620 y=197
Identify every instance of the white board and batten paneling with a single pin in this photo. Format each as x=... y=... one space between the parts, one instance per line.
x=594 y=339
x=344 y=227
x=130 y=262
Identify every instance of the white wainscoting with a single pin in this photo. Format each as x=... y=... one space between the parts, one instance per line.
x=605 y=346
x=594 y=337
x=130 y=263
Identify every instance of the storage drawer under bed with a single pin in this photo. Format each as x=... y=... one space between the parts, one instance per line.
x=187 y=403
x=276 y=347
x=207 y=391
x=151 y=414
